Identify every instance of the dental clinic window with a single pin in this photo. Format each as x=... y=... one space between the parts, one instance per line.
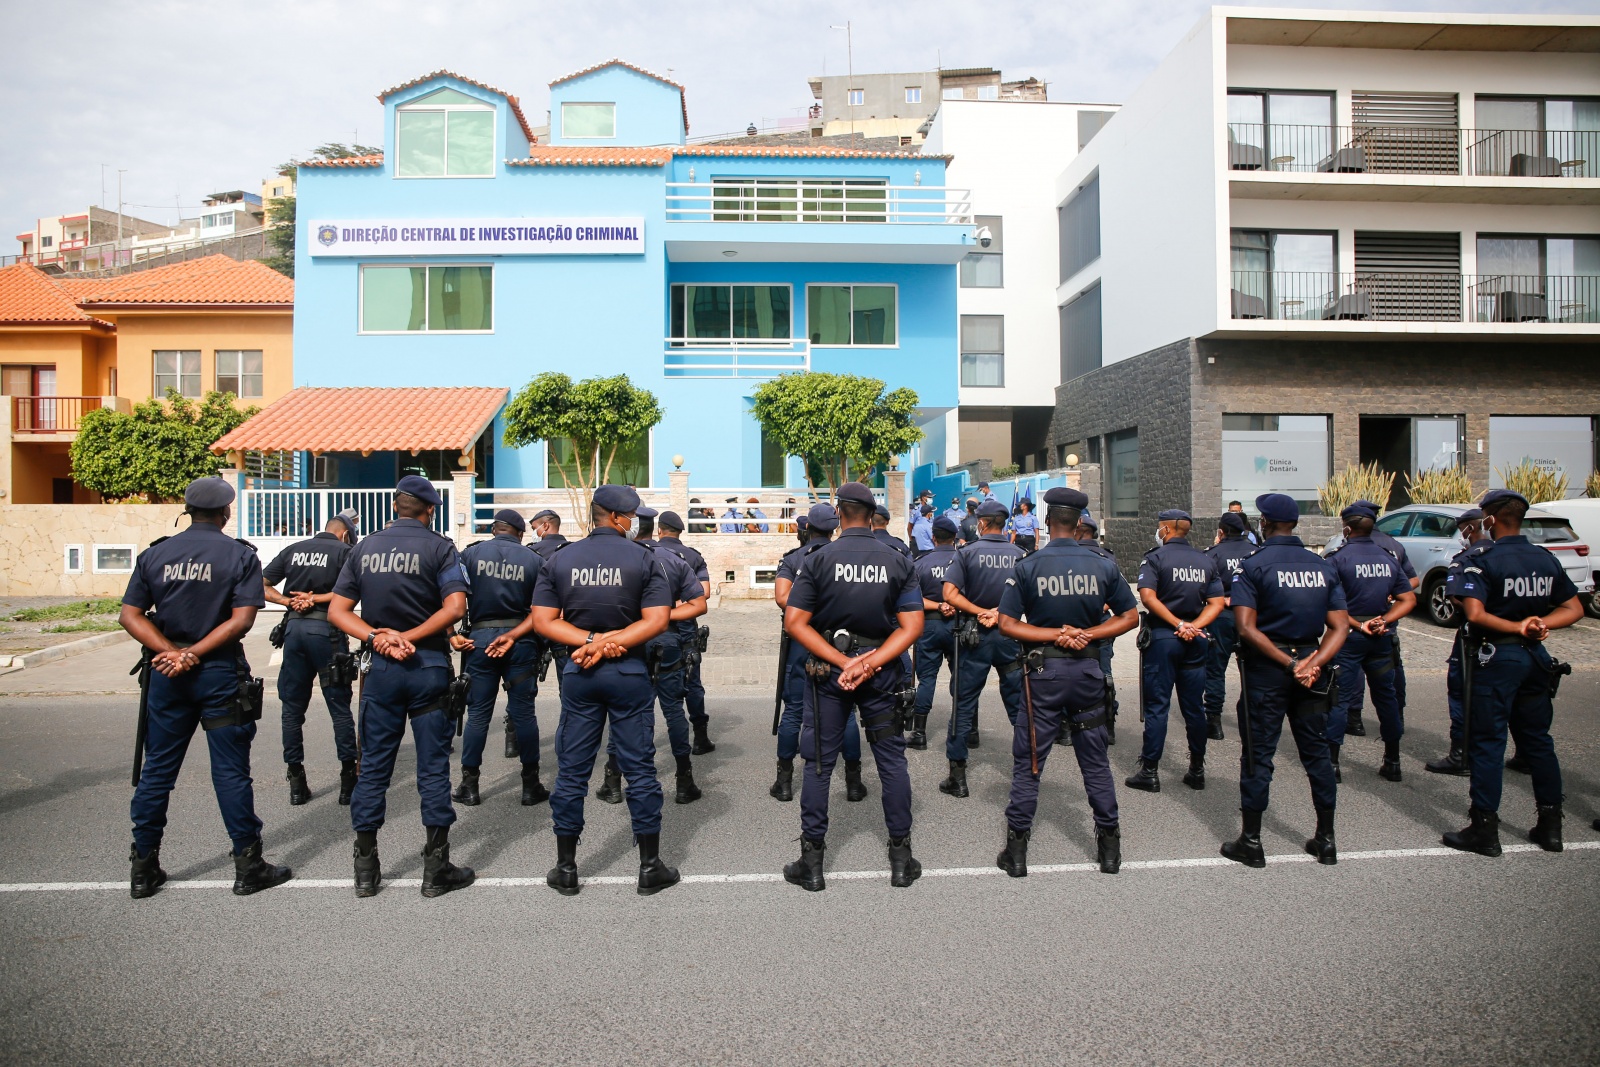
x=854 y=315
x=446 y=134
x=427 y=299
x=1291 y=454
x=731 y=311
x=177 y=370
x=589 y=120
x=239 y=373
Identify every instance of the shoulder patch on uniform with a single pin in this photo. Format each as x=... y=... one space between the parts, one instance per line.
x=241 y=540
x=158 y=540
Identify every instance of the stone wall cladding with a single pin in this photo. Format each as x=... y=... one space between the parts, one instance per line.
x=33 y=540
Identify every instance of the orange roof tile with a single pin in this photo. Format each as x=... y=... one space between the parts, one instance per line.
x=211 y=280
x=682 y=98
x=545 y=155
x=29 y=295
x=375 y=160
x=369 y=419
x=516 y=106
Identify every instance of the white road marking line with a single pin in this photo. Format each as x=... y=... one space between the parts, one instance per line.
x=1409 y=631
x=840 y=876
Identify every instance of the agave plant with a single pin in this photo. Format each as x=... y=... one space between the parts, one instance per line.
x=1533 y=481
x=1367 y=481
x=1591 y=485
x=1448 y=485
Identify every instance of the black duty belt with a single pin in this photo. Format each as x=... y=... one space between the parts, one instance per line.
x=933 y=613
x=1048 y=651
x=1358 y=619
x=1509 y=639
x=319 y=614
x=846 y=641
x=496 y=624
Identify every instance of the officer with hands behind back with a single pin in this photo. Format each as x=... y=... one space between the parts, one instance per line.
x=412 y=591
x=1055 y=604
x=694 y=689
x=1469 y=526
x=1353 y=724
x=1290 y=611
x=937 y=643
x=856 y=608
x=1514 y=593
x=1229 y=552
x=308 y=570
x=205 y=588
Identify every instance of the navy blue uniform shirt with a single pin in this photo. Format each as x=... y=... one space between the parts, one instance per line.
x=194 y=580
x=502 y=571
x=309 y=566
x=1395 y=549
x=1454 y=574
x=603 y=582
x=982 y=568
x=892 y=541
x=1229 y=555
x=548 y=544
x=689 y=555
x=400 y=575
x=1516 y=580
x=933 y=570
x=1065 y=583
x=1369 y=576
x=789 y=566
x=1292 y=589
x=857 y=583
x=1183 y=578
x=682 y=585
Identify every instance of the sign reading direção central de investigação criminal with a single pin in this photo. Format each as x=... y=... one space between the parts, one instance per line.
x=475 y=237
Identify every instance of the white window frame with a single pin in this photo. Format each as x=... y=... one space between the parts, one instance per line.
x=361 y=298
x=133 y=556
x=420 y=104
x=612 y=104
x=852 y=286
x=962 y=351
x=217 y=375
x=66 y=559
x=742 y=340
x=856 y=97
x=199 y=374
x=913 y=94
x=755 y=572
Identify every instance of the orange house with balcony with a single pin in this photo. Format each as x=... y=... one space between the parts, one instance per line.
x=71 y=345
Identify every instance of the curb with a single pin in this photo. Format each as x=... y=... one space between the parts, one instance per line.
x=69 y=648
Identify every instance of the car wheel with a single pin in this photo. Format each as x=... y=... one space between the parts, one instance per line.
x=1591 y=605
x=1441 y=609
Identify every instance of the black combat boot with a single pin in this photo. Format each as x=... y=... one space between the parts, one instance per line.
x=145 y=875
x=1353 y=726
x=467 y=792
x=1481 y=835
x=610 y=790
x=512 y=751
x=348 y=774
x=783 y=788
x=1214 y=727
x=956 y=784
x=919 y=732
x=252 y=874
x=1547 y=833
x=1014 y=858
x=533 y=790
x=299 y=790
x=1146 y=777
x=1322 y=846
x=903 y=866
x=1108 y=843
x=1333 y=758
x=702 y=740
x=687 y=792
x=1520 y=764
x=854 y=790
x=368 y=870
x=1454 y=762
x=439 y=875
x=563 y=877
x=1389 y=769
x=1196 y=778
x=654 y=876
x=1247 y=849
x=1596 y=825
x=806 y=872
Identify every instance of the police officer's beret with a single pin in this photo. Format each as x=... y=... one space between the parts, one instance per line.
x=943 y=526
x=668 y=520
x=1276 y=507
x=801 y=523
x=1086 y=520
x=1470 y=515
x=208 y=494
x=992 y=507
x=823 y=518
x=418 y=486
x=1062 y=497
x=351 y=520
x=1356 y=511
x=1232 y=520
x=856 y=493
x=540 y=516
x=511 y=518
x=1174 y=515
x=882 y=510
x=1492 y=499
x=620 y=499
x=646 y=512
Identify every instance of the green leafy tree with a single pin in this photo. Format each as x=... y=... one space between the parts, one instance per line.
x=839 y=424
x=156 y=450
x=280 y=235
x=591 y=419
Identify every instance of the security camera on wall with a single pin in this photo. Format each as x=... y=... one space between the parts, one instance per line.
x=985 y=236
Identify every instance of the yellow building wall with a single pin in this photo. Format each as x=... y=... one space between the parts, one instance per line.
x=70 y=351
x=140 y=335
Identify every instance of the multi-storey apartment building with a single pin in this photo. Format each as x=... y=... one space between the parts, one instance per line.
x=1311 y=239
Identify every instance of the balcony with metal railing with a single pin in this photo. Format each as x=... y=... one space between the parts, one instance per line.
x=1295 y=296
x=49 y=415
x=734 y=357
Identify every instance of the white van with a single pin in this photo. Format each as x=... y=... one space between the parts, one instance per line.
x=1583 y=515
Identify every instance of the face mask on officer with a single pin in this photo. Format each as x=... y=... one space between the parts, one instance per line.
x=633 y=528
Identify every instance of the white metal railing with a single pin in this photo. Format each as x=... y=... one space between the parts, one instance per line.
x=707 y=508
x=734 y=357
x=273 y=513
x=799 y=200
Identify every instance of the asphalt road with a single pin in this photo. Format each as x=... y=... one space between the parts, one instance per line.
x=1400 y=953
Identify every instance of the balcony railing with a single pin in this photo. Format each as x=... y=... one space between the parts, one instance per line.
x=1253 y=146
x=1414 y=297
x=49 y=414
x=734 y=357
x=799 y=200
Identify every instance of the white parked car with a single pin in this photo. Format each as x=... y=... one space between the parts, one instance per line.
x=1583 y=515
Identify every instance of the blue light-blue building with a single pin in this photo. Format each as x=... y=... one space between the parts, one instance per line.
x=468 y=254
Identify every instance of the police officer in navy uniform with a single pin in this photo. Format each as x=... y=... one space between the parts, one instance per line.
x=307 y=571
x=1469 y=525
x=1181 y=589
x=880 y=530
x=205 y=588
x=1229 y=553
x=694 y=689
x=1377 y=595
x=547 y=525
x=1353 y=722
x=937 y=644
x=412 y=591
x=820 y=523
x=1514 y=593
x=1055 y=604
x=501 y=651
x=856 y=608
x=973 y=585
x=605 y=597
x=1290 y=611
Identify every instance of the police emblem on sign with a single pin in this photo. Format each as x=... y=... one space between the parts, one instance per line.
x=327 y=235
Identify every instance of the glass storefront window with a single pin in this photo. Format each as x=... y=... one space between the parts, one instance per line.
x=1122 y=482
x=1287 y=454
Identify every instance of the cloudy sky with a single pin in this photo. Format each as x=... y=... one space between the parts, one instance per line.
x=190 y=98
